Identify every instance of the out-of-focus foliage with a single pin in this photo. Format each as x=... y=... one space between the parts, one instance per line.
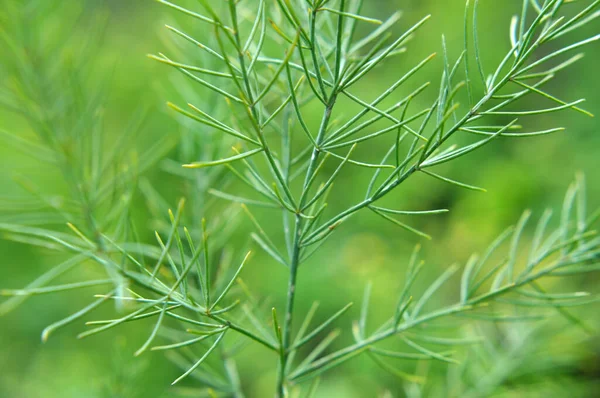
x=86 y=140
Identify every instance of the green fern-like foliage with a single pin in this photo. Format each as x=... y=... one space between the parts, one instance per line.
x=254 y=86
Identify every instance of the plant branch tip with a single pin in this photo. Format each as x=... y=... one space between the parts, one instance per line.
x=45 y=336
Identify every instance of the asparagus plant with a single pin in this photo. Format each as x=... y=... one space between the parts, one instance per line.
x=254 y=86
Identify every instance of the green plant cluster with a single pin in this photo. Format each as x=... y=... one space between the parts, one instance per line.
x=268 y=70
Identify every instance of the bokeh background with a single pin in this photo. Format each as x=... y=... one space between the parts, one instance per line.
x=518 y=174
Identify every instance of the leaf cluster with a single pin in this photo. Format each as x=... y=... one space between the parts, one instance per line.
x=264 y=73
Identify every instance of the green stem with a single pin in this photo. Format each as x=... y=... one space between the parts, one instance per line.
x=243 y=331
x=289 y=310
x=346 y=353
x=296 y=249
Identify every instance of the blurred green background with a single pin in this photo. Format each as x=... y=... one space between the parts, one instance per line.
x=518 y=174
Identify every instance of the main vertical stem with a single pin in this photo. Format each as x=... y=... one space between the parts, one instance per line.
x=295 y=260
x=289 y=309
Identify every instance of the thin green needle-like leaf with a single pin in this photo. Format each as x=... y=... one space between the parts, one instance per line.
x=514 y=135
x=374 y=35
x=255 y=25
x=321 y=327
x=54 y=289
x=182 y=281
x=324 y=364
x=301 y=332
x=337 y=135
x=489 y=274
x=577 y=21
x=119 y=321
x=208 y=85
x=563 y=311
x=258 y=325
x=565 y=216
x=290 y=13
x=512 y=257
x=239 y=199
x=190 y=68
x=581 y=203
x=527 y=35
x=476 y=45
x=431 y=290
x=263 y=238
x=553 y=70
x=174 y=268
x=405 y=355
x=498 y=281
x=27 y=146
x=270 y=249
x=306 y=322
x=425 y=351
x=405 y=377
x=444 y=341
x=400 y=224
x=150 y=339
x=312 y=390
x=535 y=111
x=514 y=41
x=63 y=322
x=283 y=105
x=466 y=52
x=367 y=58
x=360 y=164
x=448 y=180
x=375 y=61
x=362 y=322
x=399 y=124
x=77 y=232
x=231 y=282
x=544 y=94
x=244 y=155
x=559 y=52
x=393 y=178
x=206 y=269
x=354 y=16
x=226 y=309
x=377 y=172
x=502 y=318
x=196 y=257
x=281 y=67
x=167 y=247
x=256 y=181
x=144 y=315
x=309 y=182
x=54 y=272
x=414 y=212
x=400 y=311
x=339 y=39
x=216 y=123
x=191 y=13
x=466 y=279
x=276 y=327
x=558 y=305
x=261 y=40
x=207 y=376
x=199 y=362
x=296 y=104
x=322 y=346
x=330 y=181
x=445 y=157
x=250 y=180
x=537 y=239
x=200 y=45
x=184 y=343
